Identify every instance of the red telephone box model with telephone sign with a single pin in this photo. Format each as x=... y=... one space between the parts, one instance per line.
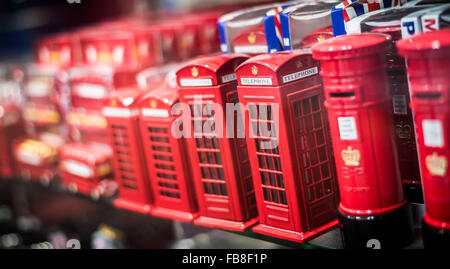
x=373 y=205
x=294 y=177
x=428 y=61
x=166 y=156
x=122 y=115
x=220 y=165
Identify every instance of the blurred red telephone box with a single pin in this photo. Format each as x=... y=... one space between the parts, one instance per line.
x=122 y=116
x=167 y=161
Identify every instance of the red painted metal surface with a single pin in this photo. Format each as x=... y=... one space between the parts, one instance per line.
x=316 y=37
x=129 y=162
x=428 y=59
x=220 y=166
x=359 y=107
x=294 y=175
x=167 y=162
x=251 y=41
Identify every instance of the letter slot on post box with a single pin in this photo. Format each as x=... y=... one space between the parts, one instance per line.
x=167 y=160
x=373 y=205
x=289 y=145
x=123 y=130
x=220 y=165
x=428 y=61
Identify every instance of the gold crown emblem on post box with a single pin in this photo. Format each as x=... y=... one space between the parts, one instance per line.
x=403 y=131
x=351 y=157
x=252 y=38
x=194 y=72
x=437 y=165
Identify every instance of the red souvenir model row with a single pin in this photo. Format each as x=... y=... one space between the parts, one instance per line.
x=290 y=144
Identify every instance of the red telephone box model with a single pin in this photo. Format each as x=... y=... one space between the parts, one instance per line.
x=166 y=156
x=373 y=205
x=294 y=177
x=85 y=166
x=129 y=163
x=220 y=165
x=428 y=61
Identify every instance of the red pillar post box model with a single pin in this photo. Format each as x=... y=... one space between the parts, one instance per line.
x=129 y=163
x=220 y=165
x=289 y=145
x=388 y=22
x=428 y=60
x=167 y=159
x=373 y=206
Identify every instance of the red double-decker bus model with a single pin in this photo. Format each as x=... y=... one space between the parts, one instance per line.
x=37 y=159
x=131 y=176
x=220 y=166
x=373 y=206
x=167 y=161
x=86 y=168
x=428 y=59
x=45 y=99
x=289 y=145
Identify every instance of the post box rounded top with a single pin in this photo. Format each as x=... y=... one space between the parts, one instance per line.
x=209 y=70
x=89 y=153
x=431 y=44
x=277 y=68
x=124 y=98
x=351 y=46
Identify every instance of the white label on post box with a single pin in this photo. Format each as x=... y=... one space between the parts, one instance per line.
x=299 y=75
x=256 y=81
x=347 y=128
x=186 y=82
x=433 y=133
x=400 y=104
